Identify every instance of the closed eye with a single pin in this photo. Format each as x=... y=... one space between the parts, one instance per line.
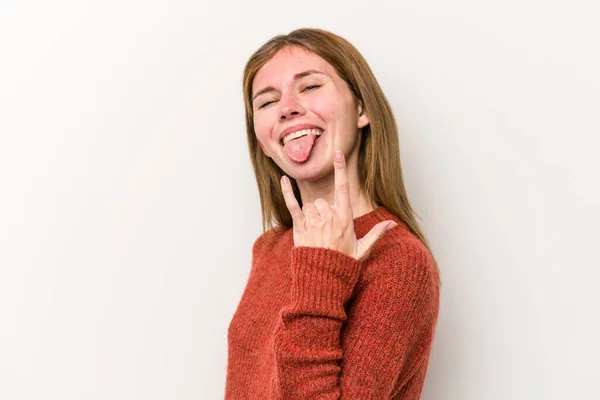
x=311 y=87
x=266 y=104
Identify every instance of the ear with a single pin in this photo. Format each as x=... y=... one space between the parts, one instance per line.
x=263 y=149
x=363 y=118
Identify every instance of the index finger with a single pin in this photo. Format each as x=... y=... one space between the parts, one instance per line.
x=342 y=188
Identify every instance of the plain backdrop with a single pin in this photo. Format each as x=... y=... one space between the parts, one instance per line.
x=128 y=205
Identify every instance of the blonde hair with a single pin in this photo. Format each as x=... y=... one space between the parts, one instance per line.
x=379 y=167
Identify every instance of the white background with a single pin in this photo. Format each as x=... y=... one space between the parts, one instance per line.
x=128 y=204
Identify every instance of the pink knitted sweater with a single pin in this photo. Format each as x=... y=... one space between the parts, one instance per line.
x=314 y=323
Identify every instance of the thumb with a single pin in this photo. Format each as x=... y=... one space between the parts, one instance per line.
x=366 y=244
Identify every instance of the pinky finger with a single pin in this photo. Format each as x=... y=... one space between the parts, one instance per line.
x=291 y=202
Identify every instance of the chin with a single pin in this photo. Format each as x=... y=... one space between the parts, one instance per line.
x=308 y=173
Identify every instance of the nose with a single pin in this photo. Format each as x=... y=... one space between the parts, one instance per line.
x=290 y=107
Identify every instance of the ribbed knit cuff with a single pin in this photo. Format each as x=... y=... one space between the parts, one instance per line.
x=322 y=280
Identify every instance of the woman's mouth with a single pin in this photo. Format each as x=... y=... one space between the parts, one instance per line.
x=301 y=133
x=299 y=145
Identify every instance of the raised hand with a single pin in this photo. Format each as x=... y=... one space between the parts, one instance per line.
x=321 y=224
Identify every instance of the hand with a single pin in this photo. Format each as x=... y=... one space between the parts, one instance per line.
x=321 y=224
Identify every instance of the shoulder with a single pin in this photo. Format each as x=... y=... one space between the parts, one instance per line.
x=268 y=240
x=400 y=279
x=401 y=259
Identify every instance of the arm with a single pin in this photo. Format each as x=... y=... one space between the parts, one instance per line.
x=388 y=325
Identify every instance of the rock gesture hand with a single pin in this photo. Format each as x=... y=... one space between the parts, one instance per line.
x=321 y=224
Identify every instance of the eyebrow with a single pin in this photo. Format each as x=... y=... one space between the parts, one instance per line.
x=299 y=75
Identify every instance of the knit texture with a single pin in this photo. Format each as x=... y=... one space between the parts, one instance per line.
x=314 y=323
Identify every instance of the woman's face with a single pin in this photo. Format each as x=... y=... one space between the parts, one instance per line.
x=297 y=89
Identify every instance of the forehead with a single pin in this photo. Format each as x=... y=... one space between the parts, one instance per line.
x=286 y=63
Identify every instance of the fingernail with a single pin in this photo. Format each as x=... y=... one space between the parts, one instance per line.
x=391 y=225
x=284 y=179
x=338 y=155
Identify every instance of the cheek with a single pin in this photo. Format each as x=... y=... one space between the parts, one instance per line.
x=324 y=109
x=330 y=107
x=263 y=128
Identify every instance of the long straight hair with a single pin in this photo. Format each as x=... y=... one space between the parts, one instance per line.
x=379 y=169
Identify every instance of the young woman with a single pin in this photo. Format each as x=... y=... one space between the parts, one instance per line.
x=343 y=294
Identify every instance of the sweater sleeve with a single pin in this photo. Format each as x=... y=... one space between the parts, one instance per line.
x=386 y=329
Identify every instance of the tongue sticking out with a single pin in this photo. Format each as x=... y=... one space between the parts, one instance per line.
x=299 y=149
